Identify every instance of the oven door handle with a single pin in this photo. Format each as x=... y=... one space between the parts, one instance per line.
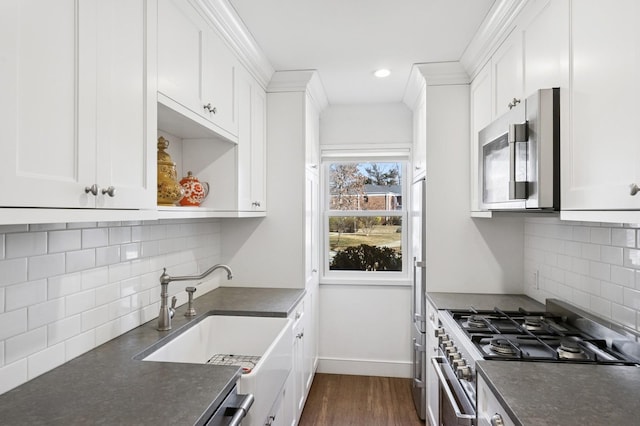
x=463 y=419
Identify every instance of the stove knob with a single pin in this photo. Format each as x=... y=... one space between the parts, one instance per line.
x=446 y=343
x=458 y=362
x=464 y=372
x=450 y=350
x=439 y=332
x=443 y=338
x=453 y=357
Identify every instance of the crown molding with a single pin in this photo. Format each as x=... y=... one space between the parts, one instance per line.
x=228 y=24
x=300 y=81
x=433 y=74
x=497 y=25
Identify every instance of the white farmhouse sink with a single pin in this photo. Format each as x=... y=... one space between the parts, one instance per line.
x=269 y=338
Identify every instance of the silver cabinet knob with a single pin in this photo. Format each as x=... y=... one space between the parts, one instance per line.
x=496 y=420
x=634 y=189
x=93 y=189
x=211 y=109
x=300 y=335
x=513 y=103
x=256 y=204
x=110 y=191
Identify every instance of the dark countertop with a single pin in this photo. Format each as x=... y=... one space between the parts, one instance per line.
x=551 y=394
x=484 y=301
x=107 y=386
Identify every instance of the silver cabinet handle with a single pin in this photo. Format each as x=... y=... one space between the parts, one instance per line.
x=110 y=191
x=300 y=335
x=93 y=189
x=513 y=103
x=210 y=108
x=634 y=189
x=256 y=204
x=496 y=420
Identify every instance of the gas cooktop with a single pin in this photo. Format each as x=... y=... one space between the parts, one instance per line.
x=534 y=336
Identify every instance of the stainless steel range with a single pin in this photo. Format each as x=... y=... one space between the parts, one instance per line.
x=563 y=334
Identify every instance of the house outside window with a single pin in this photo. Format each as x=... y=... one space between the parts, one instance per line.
x=364 y=224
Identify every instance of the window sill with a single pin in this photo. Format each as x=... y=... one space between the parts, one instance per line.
x=387 y=282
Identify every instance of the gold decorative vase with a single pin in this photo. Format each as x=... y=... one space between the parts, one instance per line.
x=169 y=190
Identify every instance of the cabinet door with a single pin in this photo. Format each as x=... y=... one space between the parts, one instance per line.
x=218 y=82
x=298 y=370
x=251 y=145
x=312 y=136
x=126 y=106
x=480 y=114
x=180 y=35
x=545 y=35
x=507 y=74
x=600 y=153
x=48 y=141
x=312 y=230
x=420 y=136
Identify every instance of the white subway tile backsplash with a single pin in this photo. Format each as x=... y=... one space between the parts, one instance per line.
x=95 y=237
x=45 y=313
x=107 y=255
x=623 y=237
x=95 y=317
x=64 y=285
x=80 y=302
x=12 y=375
x=93 y=278
x=107 y=294
x=600 y=235
x=623 y=276
x=64 y=329
x=46 y=266
x=65 y=288
x=25 y=244
x=13 y=323
x=25 y=344
x=13 y=271
x=632 y=258
x=45 y=360
x=80 y=260
x=79 y=344
x=600 y=264
x=60 y=241
x=25 y=294
x=612 y=255
x=119 y=235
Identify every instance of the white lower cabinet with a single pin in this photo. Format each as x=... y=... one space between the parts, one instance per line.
x=74 y=135
x=430 y=378
x=489 y=410
x=278 y=415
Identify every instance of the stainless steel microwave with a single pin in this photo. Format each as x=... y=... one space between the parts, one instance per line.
x=519 y=156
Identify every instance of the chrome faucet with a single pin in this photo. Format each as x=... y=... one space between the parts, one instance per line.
x=166 y=312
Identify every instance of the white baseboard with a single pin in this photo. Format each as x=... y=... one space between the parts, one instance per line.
x=365 y=367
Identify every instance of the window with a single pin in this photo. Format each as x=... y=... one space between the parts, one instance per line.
x=364 y=218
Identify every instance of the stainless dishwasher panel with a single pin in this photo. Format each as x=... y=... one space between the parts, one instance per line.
x=232 y=410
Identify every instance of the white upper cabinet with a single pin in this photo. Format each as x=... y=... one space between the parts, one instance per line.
x=312 y=138
x=506 y=64
x=419 y=147
x=75 y=108
x=600 y=148
x=545 y=37
x=196 y=69
x=251 y=144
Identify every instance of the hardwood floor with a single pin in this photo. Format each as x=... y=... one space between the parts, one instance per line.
x=342 y=400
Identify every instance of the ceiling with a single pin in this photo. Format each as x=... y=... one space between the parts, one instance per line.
x=347 y=40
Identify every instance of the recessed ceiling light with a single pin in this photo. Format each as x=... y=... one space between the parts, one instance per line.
x=382 y=73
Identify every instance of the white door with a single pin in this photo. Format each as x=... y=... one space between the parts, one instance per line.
x=48 y=141
x=601 y=153
x=126 y=105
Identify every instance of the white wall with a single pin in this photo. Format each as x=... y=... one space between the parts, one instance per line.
x=67 y=288
x=463 y=254
x=595 y=266
x=365 y=329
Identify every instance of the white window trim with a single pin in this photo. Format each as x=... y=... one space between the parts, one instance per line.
x=365 y=154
